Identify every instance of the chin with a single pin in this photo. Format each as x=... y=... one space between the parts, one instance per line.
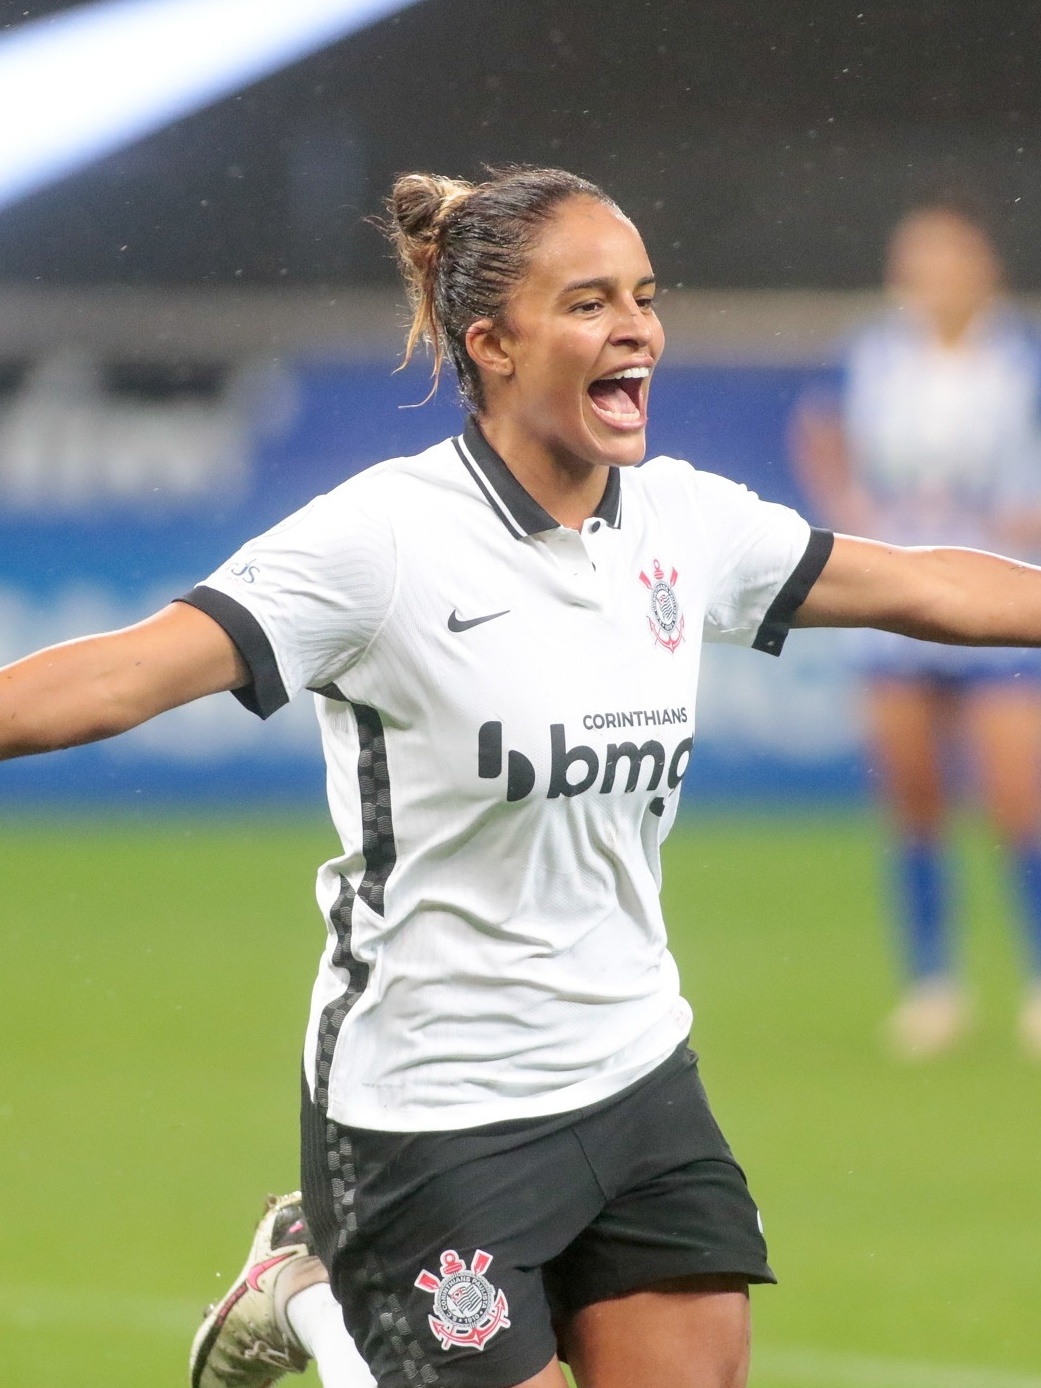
x=599 y=444
x=625 y=451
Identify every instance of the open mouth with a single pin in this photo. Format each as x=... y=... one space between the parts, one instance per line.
x=618 y=399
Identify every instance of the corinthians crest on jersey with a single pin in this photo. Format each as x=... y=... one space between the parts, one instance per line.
x=666 y=621
x=468 y=1310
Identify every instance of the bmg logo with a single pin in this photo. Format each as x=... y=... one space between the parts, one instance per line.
x=575 y=770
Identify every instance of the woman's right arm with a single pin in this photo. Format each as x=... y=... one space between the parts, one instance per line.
x=90 y=689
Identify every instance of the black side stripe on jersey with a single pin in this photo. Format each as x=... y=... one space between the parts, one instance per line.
x=377 y=842
x=380 y=854
x=330 y=691
x=778 y=620
x=265 y=693
x=334 y=1016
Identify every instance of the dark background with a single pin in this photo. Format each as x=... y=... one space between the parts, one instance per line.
x=757 y=144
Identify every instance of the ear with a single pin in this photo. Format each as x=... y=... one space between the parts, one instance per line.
x=489 y=348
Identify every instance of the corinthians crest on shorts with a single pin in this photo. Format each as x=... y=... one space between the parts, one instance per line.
x=468 y=1310
x=665 y=620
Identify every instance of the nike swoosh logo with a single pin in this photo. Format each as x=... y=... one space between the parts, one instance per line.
x=456 y=623
x=257 y=1271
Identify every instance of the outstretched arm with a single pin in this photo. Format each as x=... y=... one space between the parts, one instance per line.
x=956 y=596
x=86 y=690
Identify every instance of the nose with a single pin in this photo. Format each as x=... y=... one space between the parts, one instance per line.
x=633 y=325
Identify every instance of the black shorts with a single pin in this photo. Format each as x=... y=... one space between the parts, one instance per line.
x=454 y=1254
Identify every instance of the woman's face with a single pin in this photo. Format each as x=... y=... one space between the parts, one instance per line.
x=943 y=267
x=581 y=339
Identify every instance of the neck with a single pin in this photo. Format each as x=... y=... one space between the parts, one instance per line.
x=952 y=329
x=950 y=326
x=569 y=489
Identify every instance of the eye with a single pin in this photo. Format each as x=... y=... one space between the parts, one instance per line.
x=587 y=307
x=646 y=302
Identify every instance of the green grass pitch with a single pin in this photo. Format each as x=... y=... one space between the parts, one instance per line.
x=155 y=981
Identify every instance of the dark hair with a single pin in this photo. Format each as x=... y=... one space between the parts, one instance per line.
x=463 y=247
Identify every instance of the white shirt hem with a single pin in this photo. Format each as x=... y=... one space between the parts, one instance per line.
x=403 y=1118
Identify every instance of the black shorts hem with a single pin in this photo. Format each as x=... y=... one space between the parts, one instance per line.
x=503 y=1374
x=761 y=1275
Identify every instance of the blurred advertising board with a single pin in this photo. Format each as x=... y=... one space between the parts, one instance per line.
x=122 y=485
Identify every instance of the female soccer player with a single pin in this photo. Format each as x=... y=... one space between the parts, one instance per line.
x=508 y=1157
x=937 y=435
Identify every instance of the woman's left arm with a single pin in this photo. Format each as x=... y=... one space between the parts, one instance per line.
x=957 y=596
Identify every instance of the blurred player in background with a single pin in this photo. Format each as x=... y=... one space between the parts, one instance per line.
x=936 y=439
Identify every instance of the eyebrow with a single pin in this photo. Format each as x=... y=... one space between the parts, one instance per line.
x=603 y=282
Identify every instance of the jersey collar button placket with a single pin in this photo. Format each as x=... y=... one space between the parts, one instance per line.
x=573 y=552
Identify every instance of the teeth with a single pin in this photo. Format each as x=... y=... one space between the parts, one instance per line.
x=631 y=373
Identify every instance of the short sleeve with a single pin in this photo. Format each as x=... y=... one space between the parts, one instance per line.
x=767 y=560
x=304 y=601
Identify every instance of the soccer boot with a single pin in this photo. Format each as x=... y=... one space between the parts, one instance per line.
x=245 y=1340
x=932 y=1018
x=1030 y=1023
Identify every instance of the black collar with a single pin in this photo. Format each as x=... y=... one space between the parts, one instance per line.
x=519 y=512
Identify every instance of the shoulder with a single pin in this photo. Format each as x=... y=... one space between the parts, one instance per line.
x=1012 y=331
x=658 y=472
x=669 y=478
x=386 y=491
x=686 y=500
x=395 y=479
x=365 y=512
x=884 y=333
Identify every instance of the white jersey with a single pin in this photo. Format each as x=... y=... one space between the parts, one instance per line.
x=946 y=444
x=945 y=441
x=507 y=709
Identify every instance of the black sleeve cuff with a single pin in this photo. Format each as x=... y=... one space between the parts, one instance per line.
x=778 y=620
x=265 y=693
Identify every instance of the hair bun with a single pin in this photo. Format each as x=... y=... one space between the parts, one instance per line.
x=418 y=207
x=420 y=203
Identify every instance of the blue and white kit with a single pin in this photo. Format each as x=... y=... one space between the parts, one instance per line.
x=945 y=443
